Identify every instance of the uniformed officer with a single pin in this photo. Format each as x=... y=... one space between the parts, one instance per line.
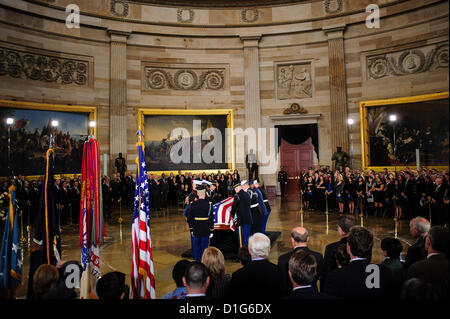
x=241 y=213
x=282 y=179
x=201 y=223
x=257 y=213
x=264 y=204
x=211 y=194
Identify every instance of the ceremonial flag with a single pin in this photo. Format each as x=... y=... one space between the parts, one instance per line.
x=142 y=272
x=92 y=226
x=11 y=255
x=222 y=214
x=46 y=245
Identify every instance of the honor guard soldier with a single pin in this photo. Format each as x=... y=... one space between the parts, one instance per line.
x=264 y=205
x=241 y=213
x=257 y=214
x=192 y=196
x=211 y=193
x=282 y=179
x=201 y=223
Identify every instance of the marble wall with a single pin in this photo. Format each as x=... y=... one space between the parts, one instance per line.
x=256 y=61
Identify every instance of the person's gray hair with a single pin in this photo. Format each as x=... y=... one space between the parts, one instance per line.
x=300 y=238
x=421 y=224
x=259 y=245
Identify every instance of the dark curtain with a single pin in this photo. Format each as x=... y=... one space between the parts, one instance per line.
x=298 y=134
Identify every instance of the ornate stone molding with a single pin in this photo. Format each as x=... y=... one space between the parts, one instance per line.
x=294 y=80
x=295 y=108
x=411 y=61
x=16 y=63
x=189 y=78
x=333 y=6
x=183 y=20
x=120 y=10
x=253 y=17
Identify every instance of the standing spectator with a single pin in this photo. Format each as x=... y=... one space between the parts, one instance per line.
x=435 y=268
x=299 y=241
x=302 y=271
x=219 y=284
x=419 y=228
x=177 y=275
x=350 y=281
x=164 y=185
x=247 y=282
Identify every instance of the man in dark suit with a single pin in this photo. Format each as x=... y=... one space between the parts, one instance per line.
x=359 y=279
x=419 y=228
x=196 y=281
x=435 y=268
x=302 y=275
x=259 y=279
x=345 y=222
x=299 y=241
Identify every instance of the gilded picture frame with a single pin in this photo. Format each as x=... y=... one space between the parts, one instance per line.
x=395 y=104
x=90 y=111
x=230 y=165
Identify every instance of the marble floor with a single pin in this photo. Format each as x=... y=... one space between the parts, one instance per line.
x=170 y=237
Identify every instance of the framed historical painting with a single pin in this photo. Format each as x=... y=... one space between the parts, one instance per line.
x=403 y=132
x=30 y=136
x=187 y=140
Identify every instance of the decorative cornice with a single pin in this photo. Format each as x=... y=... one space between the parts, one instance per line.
x=295 y=117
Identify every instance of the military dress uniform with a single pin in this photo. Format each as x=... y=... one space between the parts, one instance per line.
x=265 y=207
x=201 y=224
x=257 y=214
x=241 y=213
x=282 y=179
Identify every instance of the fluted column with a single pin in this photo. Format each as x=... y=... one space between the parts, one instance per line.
x=338 y=88
x=118 y=96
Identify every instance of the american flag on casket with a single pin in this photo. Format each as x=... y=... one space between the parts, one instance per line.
x=222 y=215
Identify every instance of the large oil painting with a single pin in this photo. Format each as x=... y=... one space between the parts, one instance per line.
x=394 y=131
x=164 y=145
x=30 y=136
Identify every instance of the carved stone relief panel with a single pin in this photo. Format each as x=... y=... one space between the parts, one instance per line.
x=411 y=61
x=40 y=65
x=184 y=77
x=293 y=80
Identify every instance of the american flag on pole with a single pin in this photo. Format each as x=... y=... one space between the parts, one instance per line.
x=142 y=271
x=222 y=214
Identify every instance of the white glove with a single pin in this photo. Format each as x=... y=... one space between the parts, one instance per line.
x=192 y=234
x=211 y=236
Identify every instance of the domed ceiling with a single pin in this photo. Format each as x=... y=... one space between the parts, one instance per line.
x=219 y=3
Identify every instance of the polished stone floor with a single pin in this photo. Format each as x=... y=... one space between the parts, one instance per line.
x=170 y=237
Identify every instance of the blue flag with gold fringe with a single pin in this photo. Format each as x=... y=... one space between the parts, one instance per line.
x=11 y=253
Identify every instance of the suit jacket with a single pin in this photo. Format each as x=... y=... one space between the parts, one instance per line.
x=307 y=293
x=329 y=261
x=415 y=252
x=398 y=271
x=349 y=282
x=283 y=268
x=258 y=280
x=434 y=270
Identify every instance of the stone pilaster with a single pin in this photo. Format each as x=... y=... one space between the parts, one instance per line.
x=338 y=88
x=251 y=85
x=118 y=96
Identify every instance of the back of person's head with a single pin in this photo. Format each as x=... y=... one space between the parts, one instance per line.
x=214 y=260
x=196 y=274
x=259 y=245
x=178 y=271
x=345 y=222
x=300 y=235
x=438 y=239
x=244 y=256
x=45 y=278
x=416 y=288
x=111 y=286
x=422 y=225
x=303 y=268
x=392 y=246
x=341 y=256
x=360 y=241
